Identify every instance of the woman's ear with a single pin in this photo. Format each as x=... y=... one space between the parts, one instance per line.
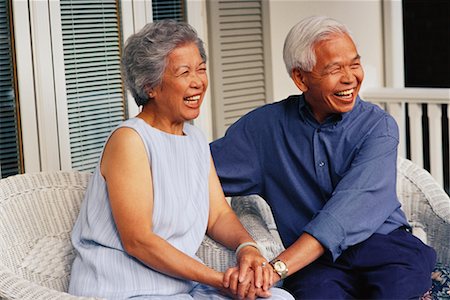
x=298 y=77
x=151 y=93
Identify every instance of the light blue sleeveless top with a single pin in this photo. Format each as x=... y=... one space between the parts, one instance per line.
x=180 y=169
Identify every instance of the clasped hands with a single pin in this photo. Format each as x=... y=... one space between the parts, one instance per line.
x=251 y=278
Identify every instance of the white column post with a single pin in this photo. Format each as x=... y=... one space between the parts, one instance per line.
x=415 y=126
x=435 y=134
x=25 y=86
x=44 y=85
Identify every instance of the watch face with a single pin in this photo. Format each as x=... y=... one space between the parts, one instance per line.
x=279 y=266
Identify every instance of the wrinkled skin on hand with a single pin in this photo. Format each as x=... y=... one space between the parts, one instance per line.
x=251 y=278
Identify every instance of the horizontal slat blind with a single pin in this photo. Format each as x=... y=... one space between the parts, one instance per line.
x=9 y=129
x=237 y=47
x=95 y=96
x=168 y=9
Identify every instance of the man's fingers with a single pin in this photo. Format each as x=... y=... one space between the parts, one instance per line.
x=251 y=294
x=263 y=294
x=226 y=277
x=245 y=285
x=242 y=290
x=234 y=283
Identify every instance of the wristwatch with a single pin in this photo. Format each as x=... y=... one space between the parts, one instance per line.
x=279 y=267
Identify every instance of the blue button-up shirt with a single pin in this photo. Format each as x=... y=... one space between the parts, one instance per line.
x=335 y=180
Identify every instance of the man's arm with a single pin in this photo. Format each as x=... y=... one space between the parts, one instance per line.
x=365 y=197
x=362 y=201
x=300 y=254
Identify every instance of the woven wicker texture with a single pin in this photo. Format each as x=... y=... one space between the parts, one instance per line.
x=254 y=220
x=426 y=206
x=37 y=214
x=38 y=211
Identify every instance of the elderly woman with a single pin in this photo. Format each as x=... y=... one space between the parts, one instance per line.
x=155 y=191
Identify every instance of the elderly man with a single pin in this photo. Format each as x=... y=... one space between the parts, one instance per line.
x=325 y=161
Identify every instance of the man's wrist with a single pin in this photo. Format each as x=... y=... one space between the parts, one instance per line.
x=279 y=267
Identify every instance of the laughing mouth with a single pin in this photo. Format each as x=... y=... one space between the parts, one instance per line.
x=191 y=99
x=345 y=94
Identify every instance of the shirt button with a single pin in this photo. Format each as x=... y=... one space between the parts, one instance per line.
x=321 y=164
x=318 y=130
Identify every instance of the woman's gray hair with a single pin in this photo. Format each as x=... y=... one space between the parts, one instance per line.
x=298 y=51
x=144 y=58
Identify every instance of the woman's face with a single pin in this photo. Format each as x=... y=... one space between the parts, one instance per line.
x=183 y=85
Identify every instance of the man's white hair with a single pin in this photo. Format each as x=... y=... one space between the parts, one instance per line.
x=298 y=51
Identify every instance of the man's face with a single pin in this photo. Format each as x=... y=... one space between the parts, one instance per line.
x=334 y=82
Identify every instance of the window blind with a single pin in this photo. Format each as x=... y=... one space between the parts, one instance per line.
x=10 y=152
x=95 y=95
x=238 y=68
x=168 y=9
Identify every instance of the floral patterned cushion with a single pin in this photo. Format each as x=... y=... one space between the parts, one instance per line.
x=440 y=288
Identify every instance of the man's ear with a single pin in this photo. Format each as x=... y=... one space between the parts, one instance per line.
x=298 y=77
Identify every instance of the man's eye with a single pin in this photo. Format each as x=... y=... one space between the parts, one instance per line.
x=335 y=71
x=355 y=65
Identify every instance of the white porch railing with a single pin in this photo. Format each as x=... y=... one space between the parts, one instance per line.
x=422 y=115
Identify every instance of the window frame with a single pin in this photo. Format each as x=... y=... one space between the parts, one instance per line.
x=41 y=77
x=13 y=78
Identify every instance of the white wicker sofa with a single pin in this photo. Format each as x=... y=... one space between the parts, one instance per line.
x=37 y=212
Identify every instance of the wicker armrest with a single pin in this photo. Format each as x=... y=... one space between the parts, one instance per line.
x=37 y=214
x=255 y=205
x=16 y=287
x=426 y=206
x=220 y=258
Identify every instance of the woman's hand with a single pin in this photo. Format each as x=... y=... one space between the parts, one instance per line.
x=225 y=228
x=252 y=277
x=239 y=289
x=244 y=289
x=250 y=257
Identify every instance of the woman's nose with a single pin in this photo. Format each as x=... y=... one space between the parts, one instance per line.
x=196 y=81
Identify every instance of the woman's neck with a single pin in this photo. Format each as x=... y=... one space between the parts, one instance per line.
x=158 y=121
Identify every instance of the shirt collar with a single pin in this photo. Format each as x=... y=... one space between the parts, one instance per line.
x=305 y=111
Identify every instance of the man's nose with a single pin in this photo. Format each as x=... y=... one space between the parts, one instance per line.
x=347 y=75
